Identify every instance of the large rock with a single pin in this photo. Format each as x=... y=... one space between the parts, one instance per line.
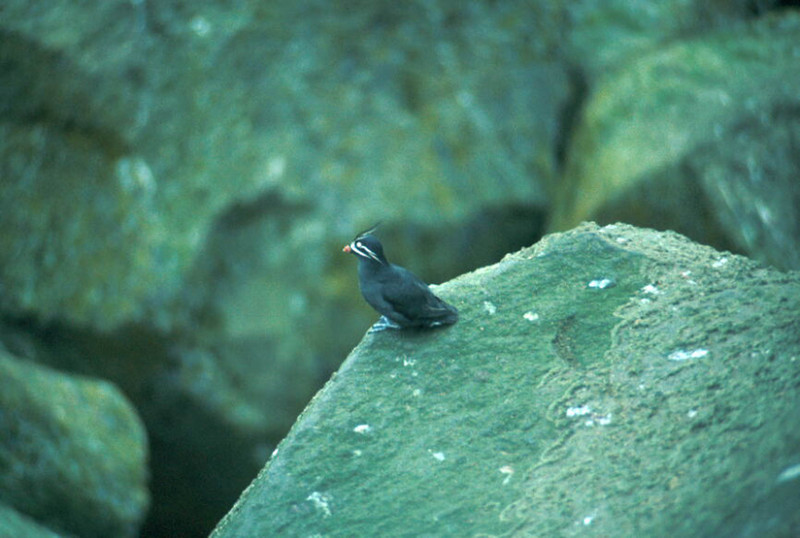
x=610 y=380
x=150 y=121
x=97 y=138
x=12 y=524
x=196 y=414
x=73 y=454
x=178 y=180
x=698 y=136
x=602 y=37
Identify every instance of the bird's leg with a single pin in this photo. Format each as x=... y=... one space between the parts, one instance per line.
x=382 y=324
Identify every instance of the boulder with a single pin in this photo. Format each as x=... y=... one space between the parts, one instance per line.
x=12 y=523
x=159 y=125
x=602 y=37
x=698 y=136
x=614 y=380
x=73 y=454
x=178 y=181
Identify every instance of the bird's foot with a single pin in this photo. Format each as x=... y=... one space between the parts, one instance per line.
x=382 y=324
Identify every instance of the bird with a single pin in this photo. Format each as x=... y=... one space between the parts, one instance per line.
x=403 y=299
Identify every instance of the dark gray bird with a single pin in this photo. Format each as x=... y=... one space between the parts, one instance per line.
x=402 y=298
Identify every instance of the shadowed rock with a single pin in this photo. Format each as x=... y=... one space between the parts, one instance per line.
x=73 y=455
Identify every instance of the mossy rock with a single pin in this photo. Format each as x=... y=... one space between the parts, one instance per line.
x=12 y=524
x=73 y=455
x=698 y=136
x=611 y=380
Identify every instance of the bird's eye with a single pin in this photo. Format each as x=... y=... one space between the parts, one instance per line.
x=359 y=245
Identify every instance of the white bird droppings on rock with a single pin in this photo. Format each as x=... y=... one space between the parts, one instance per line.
x=684 y=355
x=531 y=316
x=321 y=502
x=362 y=428
x=578 y=411
x=508 y=471
x=601 y=283
x=651 y=289
x=790 y=473
x=438 y=456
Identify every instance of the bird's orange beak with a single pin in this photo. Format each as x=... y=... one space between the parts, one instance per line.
x=346 y=248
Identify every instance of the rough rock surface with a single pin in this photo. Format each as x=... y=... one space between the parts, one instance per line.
x=603 y=37
x=698 y=136
x=73 y=454
x=612 y=380
x=151 y=121
x=177 y=179
x=12 y=524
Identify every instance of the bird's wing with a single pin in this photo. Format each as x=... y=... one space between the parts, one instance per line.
x=411 y=297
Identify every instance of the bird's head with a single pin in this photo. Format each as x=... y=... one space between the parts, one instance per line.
x=367 y=247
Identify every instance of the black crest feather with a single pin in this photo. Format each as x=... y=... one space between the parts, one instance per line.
x=370 y=230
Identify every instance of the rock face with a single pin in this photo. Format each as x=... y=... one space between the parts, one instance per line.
x=610 y=380
x=699 y=136
x=152 y=123
x=73 y=455
x=12 y=523
x=177 y=179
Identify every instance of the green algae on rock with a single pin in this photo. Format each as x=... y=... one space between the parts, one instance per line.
x=73 y=452
x=13 y=524
x=699 y=136
x=660 y=401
